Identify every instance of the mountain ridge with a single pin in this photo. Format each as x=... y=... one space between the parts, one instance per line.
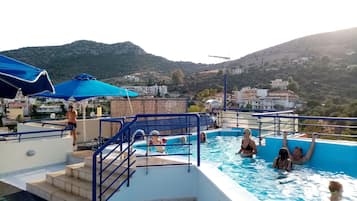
x=99 y=59
x=324 y=66
x=332 y=44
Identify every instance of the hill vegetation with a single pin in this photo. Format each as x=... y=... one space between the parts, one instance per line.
x=322 y=68
x=98 y=59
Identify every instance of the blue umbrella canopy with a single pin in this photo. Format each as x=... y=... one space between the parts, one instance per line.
x=15 y=75
x=85 y=86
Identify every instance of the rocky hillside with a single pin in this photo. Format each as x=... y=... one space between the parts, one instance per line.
x=339 y=46
x=323 y=68
x=99 y=59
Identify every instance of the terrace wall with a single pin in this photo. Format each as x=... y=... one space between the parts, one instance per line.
x=335 y=156
x=121 y=107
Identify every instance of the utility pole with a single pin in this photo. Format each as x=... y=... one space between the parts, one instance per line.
x=225 y=80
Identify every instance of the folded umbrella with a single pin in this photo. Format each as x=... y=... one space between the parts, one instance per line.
x=16 y=75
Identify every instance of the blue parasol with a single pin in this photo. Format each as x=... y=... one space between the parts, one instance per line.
x=15 y=75
x=85 y=86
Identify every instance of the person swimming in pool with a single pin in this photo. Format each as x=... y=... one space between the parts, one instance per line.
x=248 y=147
x=297 y=156
x=157 y=141
x=283 y=161
x=336 y=190
x=203 y=137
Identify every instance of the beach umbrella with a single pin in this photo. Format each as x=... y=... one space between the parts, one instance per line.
x=15 y=75
x=85 y=86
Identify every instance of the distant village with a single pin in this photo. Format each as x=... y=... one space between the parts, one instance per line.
x=278 y=97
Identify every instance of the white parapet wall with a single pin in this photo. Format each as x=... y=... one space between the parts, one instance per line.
x=176 y=183
x=92 y=128
x=35 y=152
x=33 y=127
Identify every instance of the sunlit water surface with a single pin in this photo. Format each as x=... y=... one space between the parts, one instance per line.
x=259 y=178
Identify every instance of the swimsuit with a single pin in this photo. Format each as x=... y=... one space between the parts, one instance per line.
x=71 y=125
x=247 y=148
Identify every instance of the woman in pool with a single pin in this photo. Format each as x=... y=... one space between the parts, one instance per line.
x=297 y=156
x=156 y=140
x=248 y=147
x=283 y=161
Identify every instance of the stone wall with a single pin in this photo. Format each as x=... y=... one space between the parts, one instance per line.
x=121 y=107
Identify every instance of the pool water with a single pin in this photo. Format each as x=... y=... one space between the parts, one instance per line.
x=259 y=178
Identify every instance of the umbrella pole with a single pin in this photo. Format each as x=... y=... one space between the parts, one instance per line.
x=131 y=107
x=84 y=121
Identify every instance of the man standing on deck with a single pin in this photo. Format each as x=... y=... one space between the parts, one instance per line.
x=72 y=122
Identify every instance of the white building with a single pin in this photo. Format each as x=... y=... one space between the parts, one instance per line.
x=279 y=84
x=149 y=90
x=132 y=78
x=236 y=71
x=263 y=99
x=49 y=109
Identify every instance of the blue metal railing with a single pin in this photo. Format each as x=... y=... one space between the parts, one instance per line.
x=238 y=117
x=106 y=159
x=119 y=120
x=171 y=123
x=24 y=135
x=324 y=126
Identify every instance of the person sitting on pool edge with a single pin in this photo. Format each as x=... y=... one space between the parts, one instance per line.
x=248 y=147
x=283 y=161
x=297 y=156
x=156 y=140
x=203 y=137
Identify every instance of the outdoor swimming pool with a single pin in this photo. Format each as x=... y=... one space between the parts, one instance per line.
x=258 y=176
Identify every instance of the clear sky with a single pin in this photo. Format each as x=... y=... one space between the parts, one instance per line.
x=179 y=30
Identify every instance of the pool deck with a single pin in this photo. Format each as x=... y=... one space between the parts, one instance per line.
x=20 y=178
x=15 y=183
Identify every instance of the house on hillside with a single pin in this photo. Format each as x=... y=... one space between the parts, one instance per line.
x=279 y=84
x=207 y=72
x=131 y=78
x=263 y=99
x=156 y=90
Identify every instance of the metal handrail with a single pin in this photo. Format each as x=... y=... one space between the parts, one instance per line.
x=332 y=125
x=120 y=120
x=20 y=134
x=309 y=117
x=99 y=152
x=99 y=156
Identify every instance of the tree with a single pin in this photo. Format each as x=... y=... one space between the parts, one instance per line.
x=293 y=85
x=158 y=93
x=151 y=82
x=195 y=108
x=325 y=60
x=248 y=106
x=34 y=110
x=178 y=77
